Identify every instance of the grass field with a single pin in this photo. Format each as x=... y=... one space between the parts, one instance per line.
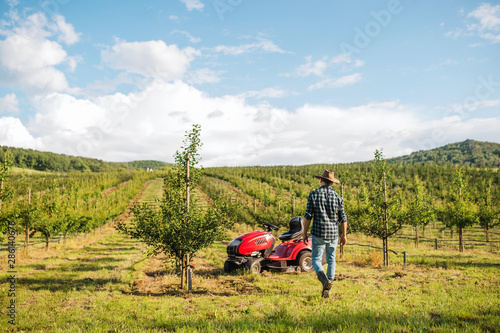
x=105 y=283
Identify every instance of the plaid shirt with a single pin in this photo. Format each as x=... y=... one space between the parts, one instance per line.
x=327 y=208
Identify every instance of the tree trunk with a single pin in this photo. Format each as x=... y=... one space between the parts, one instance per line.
x=182 y=272
x=27 y=239
x=385 y=247
x=416 y=237
x=47 y=241
x=460 y=239
x=487 y=231
x=386 y=226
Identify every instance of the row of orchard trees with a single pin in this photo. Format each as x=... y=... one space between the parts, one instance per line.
x=53 y=204
x=380 y=197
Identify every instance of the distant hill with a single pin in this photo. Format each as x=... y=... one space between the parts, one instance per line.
x=47 y=161
x=468 y=153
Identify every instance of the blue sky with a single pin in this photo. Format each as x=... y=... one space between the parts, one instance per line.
x=270 y=82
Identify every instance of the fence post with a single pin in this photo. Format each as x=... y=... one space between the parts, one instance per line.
x=190 y=279
x=404 y=258
x=436 y=243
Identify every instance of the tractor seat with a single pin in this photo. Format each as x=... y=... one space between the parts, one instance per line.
x=296 y=230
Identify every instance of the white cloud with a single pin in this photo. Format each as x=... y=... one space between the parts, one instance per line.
x=486 y=24
x=73 y=62
x=454 y=34
x=336 y=82
x=309 y=68
x=13 y=133
x=146 y=124
x=319 y=67
x=353 y=134
x=67 y=32
x=271 y=92
x=188 y=35
x=193 y=5
x=150 y=124
x=488 y=16
x=463 y=109
x=63 y=112
x=29 y=63
x=28 y=56
x=153 y=59
x=203 y=75
x=9 y=104
x=262 y=45
x=19 y=53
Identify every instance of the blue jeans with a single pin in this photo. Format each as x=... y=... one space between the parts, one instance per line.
x=319 y=245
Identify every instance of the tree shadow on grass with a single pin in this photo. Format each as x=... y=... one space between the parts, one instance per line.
x=81 y=265
x=64 y=284
x=193 y=293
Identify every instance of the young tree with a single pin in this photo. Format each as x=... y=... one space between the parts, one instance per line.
x=420 y=211
x=460 y=212
x=488 y=214
x=378 y=216
x=177 y=225
x=26 y=211
x=49 y=221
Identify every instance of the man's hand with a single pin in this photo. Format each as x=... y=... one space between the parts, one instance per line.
x=343 y=240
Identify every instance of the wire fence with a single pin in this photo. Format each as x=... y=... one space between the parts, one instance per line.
x=438 y=243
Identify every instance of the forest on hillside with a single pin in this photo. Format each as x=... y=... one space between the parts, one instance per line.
x=47 y=161
x=469 y=153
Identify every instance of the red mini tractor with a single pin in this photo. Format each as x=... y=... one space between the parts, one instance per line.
x=255 y=251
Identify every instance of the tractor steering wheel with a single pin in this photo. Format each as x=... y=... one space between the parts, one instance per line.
x=270 y=227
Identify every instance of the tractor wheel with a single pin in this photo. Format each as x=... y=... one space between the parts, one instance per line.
x=253 y=266
x=304 y=261
x=229 y=266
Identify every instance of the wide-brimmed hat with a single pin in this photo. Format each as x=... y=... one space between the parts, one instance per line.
x=328 y=175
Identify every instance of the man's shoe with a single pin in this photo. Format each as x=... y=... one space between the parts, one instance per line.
x=327 y=284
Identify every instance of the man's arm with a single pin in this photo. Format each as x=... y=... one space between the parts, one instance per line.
x=343 y=239
x=306 y=227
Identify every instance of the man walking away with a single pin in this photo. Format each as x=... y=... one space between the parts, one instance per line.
x=325 y=208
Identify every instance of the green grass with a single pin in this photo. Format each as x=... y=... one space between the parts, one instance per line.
x=105 y=283
x=153 y=191
x=27 y=171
